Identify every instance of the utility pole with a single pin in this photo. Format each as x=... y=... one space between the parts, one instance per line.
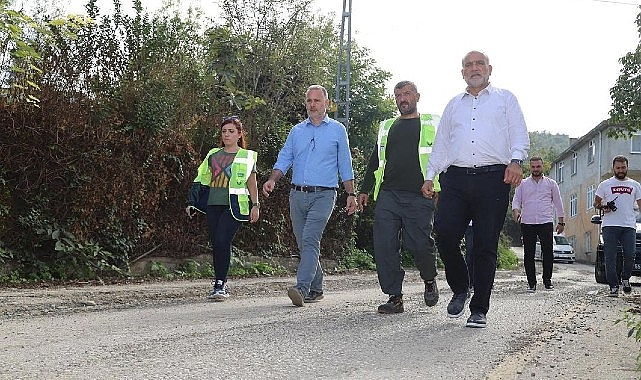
x=344 y=71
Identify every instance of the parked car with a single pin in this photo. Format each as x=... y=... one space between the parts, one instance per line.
x=561 y=249
x=599 y=262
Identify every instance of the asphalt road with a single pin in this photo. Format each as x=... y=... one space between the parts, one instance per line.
x=566 y=333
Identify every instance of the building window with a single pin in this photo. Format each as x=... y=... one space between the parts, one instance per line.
x=573 y=205
x=587 y=240
x=575 y=159
x=635 y=142
x=591 y=151
x=589 y=197
x=559 y=172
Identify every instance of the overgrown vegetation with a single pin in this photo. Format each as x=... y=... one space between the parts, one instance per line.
x=192 y=269
x=632 y=320
x=96 y=176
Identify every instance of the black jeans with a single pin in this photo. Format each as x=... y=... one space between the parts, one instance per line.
x=483 y=198
x=545 y=233
x=222 y=228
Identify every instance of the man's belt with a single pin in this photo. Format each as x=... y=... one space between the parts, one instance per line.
x=311 y=189
x=477 y=170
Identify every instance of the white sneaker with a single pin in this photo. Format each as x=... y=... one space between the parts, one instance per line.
x=219 y=292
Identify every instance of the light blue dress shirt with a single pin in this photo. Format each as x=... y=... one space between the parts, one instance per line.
x=317 y=154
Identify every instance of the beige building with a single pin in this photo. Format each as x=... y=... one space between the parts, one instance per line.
x=579 y=170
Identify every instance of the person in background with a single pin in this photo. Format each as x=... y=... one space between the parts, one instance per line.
x=617 y=197
x=317 y=150
x=480 y=145
x=229 y=172
x=395 y=172
x=534 y=204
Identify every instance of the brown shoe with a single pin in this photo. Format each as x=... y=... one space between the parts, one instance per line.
x=393 y=306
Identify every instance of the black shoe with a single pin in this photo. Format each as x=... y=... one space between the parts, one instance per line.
x=548 y=286
x=476 y=320
x=431 y=293
x=393 y=306
x=531 y=289
x=456 y=305
x=626 y=286
x=296 y=296
x=314 y=296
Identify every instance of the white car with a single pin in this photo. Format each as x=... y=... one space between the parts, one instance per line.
x=561 y=249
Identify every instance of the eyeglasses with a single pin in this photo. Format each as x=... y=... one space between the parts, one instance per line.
x=231 y=118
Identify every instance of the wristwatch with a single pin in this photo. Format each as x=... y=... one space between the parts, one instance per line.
x=561 y=224
x=516 y=161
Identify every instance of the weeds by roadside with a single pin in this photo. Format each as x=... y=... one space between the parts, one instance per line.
x=632 y=319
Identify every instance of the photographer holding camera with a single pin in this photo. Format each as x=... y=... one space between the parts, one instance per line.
x=616 y=197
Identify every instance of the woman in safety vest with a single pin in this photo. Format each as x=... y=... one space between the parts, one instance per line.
x=226 y=191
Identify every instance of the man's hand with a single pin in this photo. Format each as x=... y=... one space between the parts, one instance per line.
x=268 y=187
x=351 y=205
x=559 y=229
x=362 y=201
x=513 y=174
x=516 y=215
x=428 y=189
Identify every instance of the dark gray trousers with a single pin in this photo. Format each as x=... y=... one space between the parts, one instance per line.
x=403 y=219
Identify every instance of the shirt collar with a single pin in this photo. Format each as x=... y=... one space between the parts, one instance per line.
x=487 y=90
x=325 y=121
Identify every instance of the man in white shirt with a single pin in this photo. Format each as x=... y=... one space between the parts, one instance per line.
x=479 y=148
x=533 y=206
x=616 y=198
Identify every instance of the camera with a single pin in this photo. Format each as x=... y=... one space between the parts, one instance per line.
x=611 y=205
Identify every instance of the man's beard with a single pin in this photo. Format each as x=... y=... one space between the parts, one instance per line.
x=621 y=175
x=476 y=82
x=407 y=110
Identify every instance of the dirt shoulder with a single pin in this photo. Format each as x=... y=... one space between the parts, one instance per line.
x=82 y=297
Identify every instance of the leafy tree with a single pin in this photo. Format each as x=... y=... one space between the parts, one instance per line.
x=626 y=94
x=20 y=62
x=97 y=176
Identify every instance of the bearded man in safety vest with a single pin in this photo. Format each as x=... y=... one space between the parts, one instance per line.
x=396 y=173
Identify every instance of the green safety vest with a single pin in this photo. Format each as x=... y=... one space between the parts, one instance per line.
x=428 y=133
x=241 y=169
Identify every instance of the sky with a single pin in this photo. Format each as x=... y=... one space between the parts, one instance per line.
x=559 y=57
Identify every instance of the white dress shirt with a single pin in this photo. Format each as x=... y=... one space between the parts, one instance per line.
x=481 y=130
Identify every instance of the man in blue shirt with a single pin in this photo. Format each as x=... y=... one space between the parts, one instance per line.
x=317 y=150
